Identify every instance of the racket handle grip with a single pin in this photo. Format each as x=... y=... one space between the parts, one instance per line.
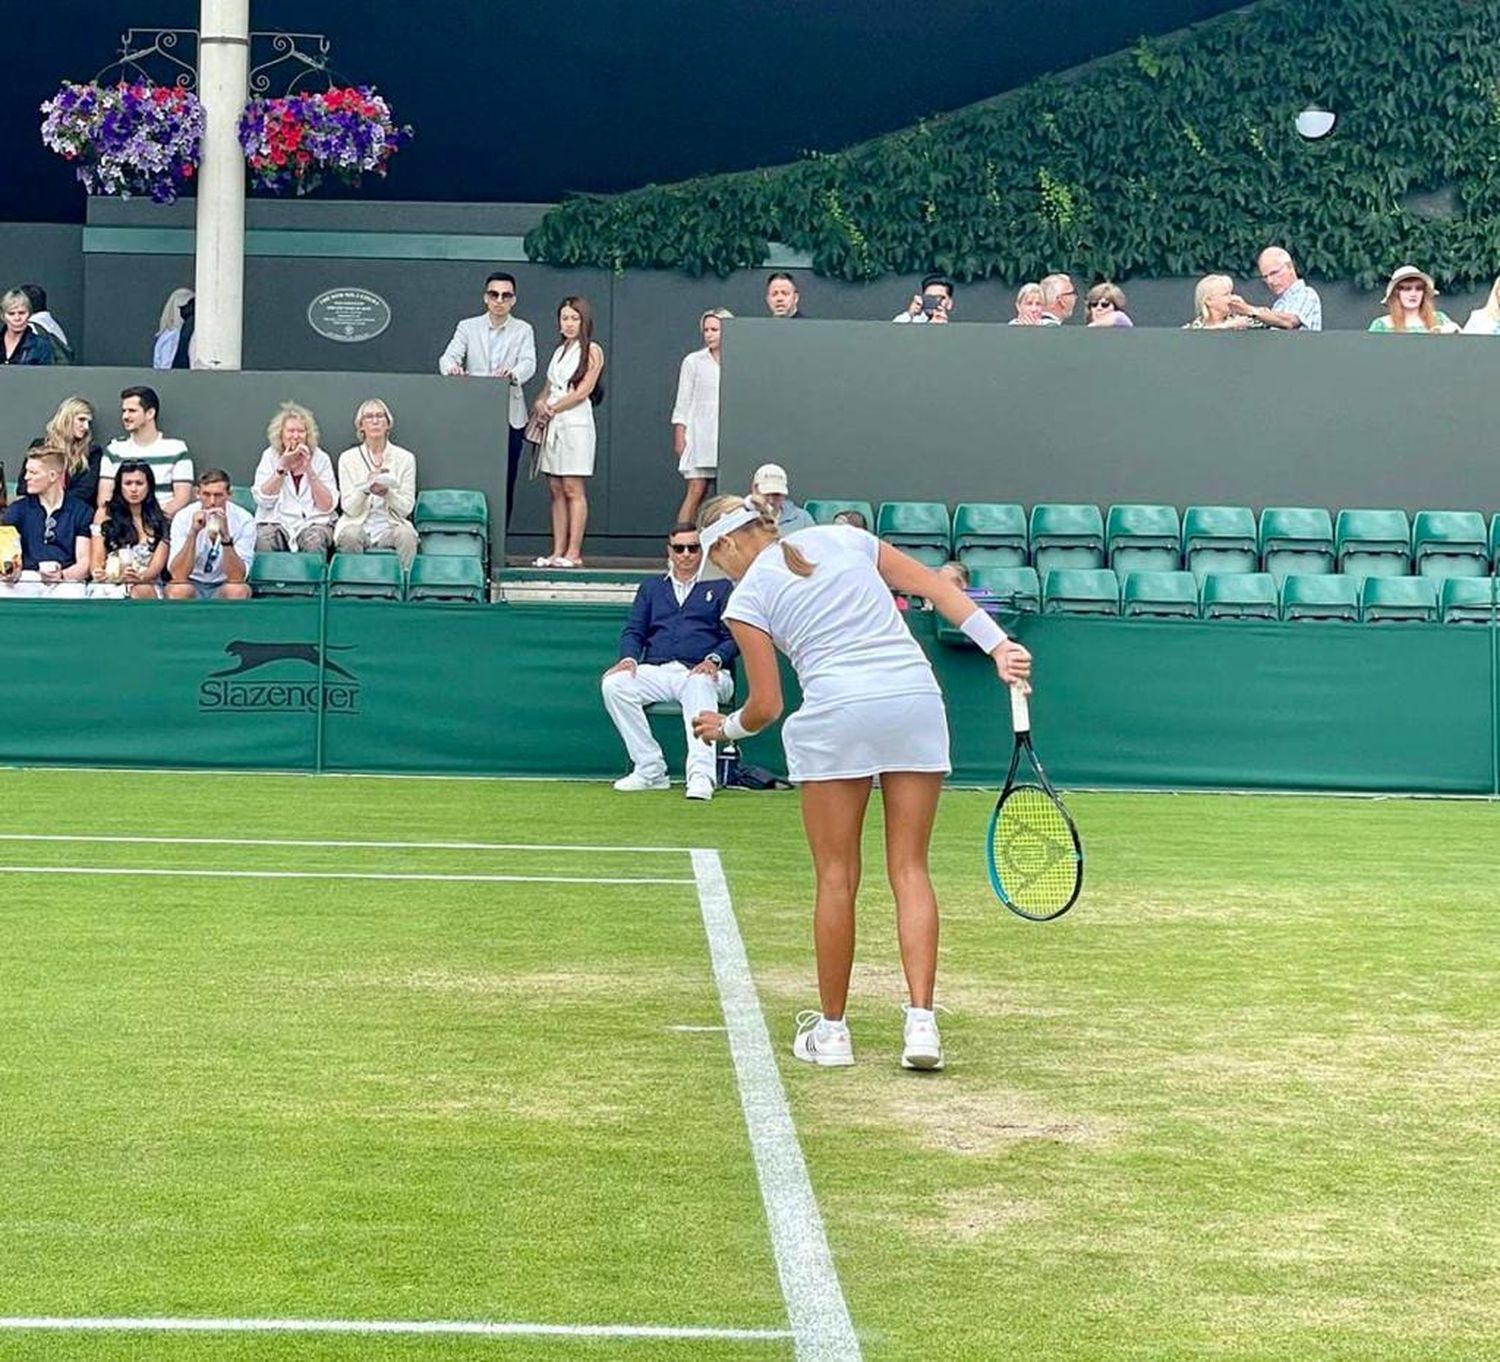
x=1020 y=710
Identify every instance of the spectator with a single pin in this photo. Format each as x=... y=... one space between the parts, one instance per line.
x=130 y=543
x=1409 y=306
x=770 y=481
x=296 y=494
x=566 y=454
x=1294 y=302
x=171 y=465
x=1059 y=298
x=212 y=545
x=176 y=346
x=1211 y=307
x=695 y=415
x=1485 y=321
x=1029 y=303
x=54 y=527
x=782 y=299
x=42 y=320
x=21 y=345
x=498 y=345
x=853 y=518
x=1105 y=305
x=377 y=488
x=675 y=647
x=933 y=304
x=71 y=430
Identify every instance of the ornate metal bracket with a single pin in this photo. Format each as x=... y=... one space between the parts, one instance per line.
x=153 y=54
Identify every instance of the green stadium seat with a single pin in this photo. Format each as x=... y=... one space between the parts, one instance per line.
x=1220 y=539
x=1373 y=543
x=823 y=510
x=447 y=577
x=366 y=576
x=989 y=534
x=1143 y=538
x=1296 y=539
x=1081 y=591
x=1239 y=596
x=1450 y=544
x=1399 y=600
x=918 y=528
x=1495 y=543
x=452 y=520
x=1014 y=588
x=244 y=498
x=1321 y=598
x=1066 y=535
x=1160 y=595
x=287 y=574
x=1467 y=600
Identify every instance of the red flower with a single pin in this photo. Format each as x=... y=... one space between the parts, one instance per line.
x=187 y=171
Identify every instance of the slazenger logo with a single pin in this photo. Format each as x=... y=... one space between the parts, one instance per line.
x=223 y=692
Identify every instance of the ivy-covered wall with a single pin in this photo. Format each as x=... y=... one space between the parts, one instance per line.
x=1173 y=158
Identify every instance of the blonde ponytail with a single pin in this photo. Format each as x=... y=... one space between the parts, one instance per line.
x=797 y=562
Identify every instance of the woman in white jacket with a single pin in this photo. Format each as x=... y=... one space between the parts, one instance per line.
x=695 y=416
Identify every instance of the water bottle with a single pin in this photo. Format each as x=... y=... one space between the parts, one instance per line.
x=728 y=765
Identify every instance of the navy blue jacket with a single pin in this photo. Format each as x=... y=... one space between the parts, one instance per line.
x=659 y=630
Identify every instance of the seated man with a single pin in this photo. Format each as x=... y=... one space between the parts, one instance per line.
x=675 y=646
x=933 y=304
x=53 y=527
x=213 y=545
x=770 y=482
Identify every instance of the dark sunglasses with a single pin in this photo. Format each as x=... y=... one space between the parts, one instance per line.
x=495 y=293
x=686 y=548
x=1101 y=302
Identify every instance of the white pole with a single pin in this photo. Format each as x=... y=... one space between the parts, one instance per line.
x=223 y=85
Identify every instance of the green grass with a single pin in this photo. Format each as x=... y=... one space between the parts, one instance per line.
x=1240 y=1104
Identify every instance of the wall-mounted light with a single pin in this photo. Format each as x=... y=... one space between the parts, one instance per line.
x=1315 y=123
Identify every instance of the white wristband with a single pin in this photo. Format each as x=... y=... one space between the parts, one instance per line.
x=733 y=730
x=983 y=632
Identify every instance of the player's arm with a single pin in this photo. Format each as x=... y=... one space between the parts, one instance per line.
x=764 y=703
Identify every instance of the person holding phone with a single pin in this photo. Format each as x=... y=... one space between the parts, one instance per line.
x=933 y=304
x=377 y=488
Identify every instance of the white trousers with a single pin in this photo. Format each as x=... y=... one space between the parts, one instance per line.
x=627 y=694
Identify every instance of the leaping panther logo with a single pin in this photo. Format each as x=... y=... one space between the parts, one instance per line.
x=253 y=655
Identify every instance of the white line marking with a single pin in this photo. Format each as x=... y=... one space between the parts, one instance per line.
x=192 y=873
x=815 y=1302
x=380 y=1326
x=299 y=842
x=695 y=1029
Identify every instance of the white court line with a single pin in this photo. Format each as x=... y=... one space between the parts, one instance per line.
x=300 y=842
x=810 y=1286
x=493 y=1329
x=196 y=874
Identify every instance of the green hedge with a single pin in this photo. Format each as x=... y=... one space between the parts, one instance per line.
x=1173 y=158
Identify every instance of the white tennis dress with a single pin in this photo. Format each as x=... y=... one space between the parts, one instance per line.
x=870 y=702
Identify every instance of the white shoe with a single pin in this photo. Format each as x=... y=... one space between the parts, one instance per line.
x=819 y=1042
x=635 y=782
x=700 y=787
x=923 y=1048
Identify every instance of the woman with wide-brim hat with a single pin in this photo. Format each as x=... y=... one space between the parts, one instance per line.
x=1409 y=305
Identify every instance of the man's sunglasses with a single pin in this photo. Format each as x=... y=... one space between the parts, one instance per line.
x=495 y=293
x=685 y=548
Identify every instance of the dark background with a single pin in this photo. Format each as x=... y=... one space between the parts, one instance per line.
x=528 y=101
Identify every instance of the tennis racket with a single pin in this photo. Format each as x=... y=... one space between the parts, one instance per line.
x=1035 y=857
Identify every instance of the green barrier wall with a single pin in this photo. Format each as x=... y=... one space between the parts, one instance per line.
x=514 y=690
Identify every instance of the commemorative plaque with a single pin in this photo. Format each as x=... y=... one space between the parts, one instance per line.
x=349 y=315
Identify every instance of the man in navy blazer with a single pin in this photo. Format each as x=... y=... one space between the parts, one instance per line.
x=675 y=647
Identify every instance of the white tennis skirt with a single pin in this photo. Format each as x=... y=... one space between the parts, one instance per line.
x=866 y=737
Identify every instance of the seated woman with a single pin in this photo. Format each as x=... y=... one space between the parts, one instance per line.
x=1029 y=300
x=130 y=543
x=1409 y=306
x=71 y=429
x=296 y=494
x=19 y=344
x=377 y=487
x=1485 y=321
x=1106 y=306
x=1211 y=301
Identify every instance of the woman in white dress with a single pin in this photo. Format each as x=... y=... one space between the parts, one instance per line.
x=870 y=706
x=695 y=415
x=567 y=406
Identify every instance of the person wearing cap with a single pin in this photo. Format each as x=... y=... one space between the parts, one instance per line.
x=933 y=304
x=1295 y=305
x=1409 y=306
x=770 y=482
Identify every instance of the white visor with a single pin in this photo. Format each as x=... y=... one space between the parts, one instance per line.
x=736 y=519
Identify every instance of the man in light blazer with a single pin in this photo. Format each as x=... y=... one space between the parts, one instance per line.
x=497 y=345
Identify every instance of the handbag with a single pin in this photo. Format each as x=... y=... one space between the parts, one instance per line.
x=536 y=428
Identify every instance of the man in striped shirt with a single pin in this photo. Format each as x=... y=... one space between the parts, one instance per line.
x=169 y=458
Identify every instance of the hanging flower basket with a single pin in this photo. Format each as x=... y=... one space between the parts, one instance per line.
x=128 y=139
x=296 y=142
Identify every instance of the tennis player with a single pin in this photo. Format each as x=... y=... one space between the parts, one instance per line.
x=870 y=706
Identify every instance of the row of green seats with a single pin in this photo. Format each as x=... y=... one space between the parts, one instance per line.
x=371 y=576
x=1238 y=595
x=1152 y=537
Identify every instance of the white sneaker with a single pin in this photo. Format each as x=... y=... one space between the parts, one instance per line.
x=635 y=782
x=923 y=1047
x=700 y=787
x=818 y=1042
